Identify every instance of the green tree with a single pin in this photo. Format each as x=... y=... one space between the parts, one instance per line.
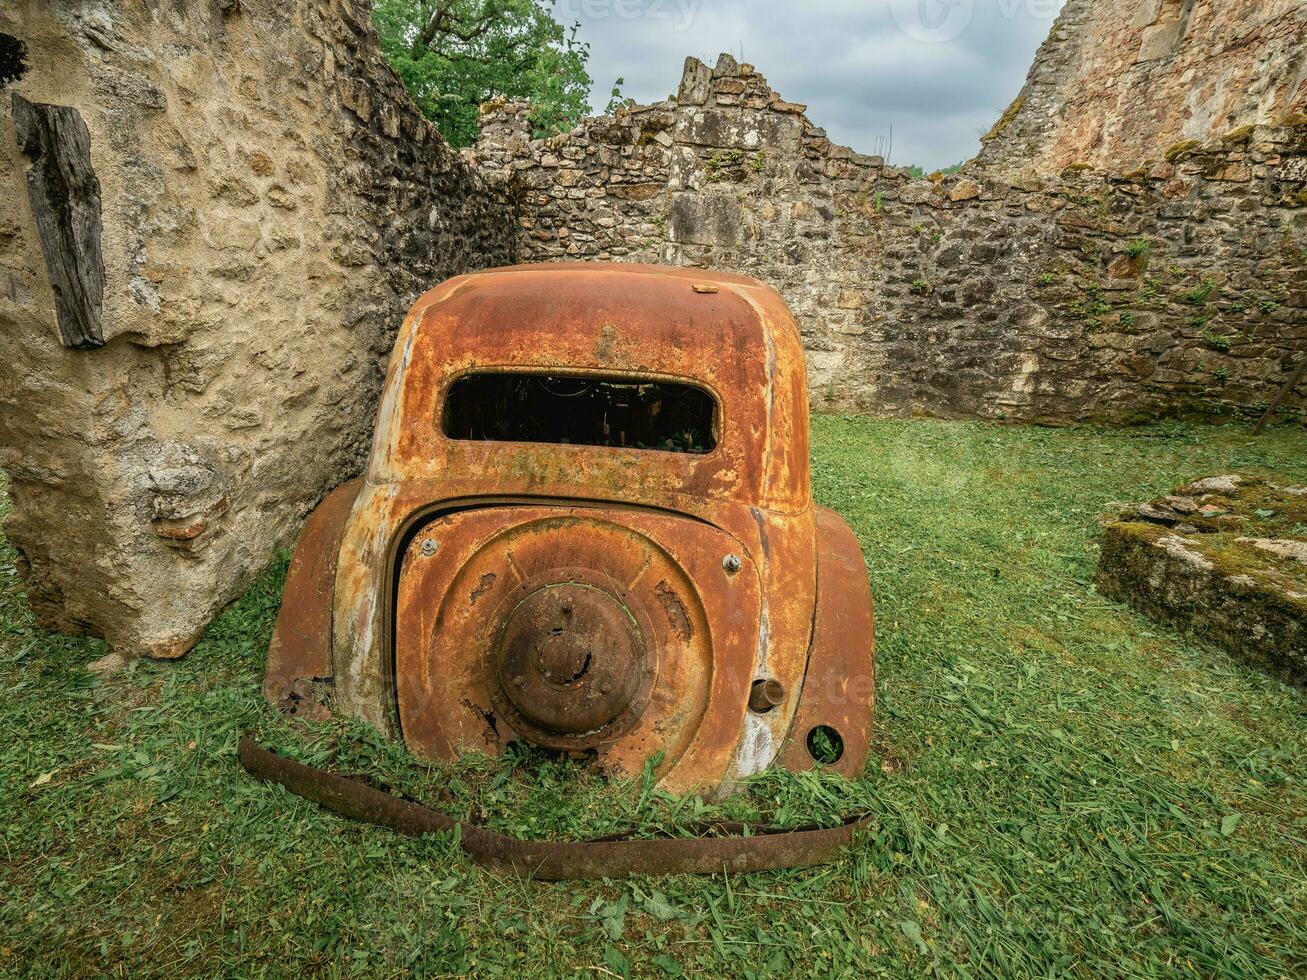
x=453 y=55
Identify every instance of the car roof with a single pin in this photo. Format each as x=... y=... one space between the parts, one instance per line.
x=631 y=268
x=644 y=303
x=730 y=334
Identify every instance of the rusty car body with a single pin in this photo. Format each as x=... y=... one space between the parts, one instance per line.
x=587 y=523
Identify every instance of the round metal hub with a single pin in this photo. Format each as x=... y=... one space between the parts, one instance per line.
x=570 y=659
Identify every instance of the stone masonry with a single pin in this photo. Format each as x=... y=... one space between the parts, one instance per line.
x=1178 y=287
x=1121 y=82
x=217 y=213
x=271 y=204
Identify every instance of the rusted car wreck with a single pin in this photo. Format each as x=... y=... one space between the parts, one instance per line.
x=587 y=523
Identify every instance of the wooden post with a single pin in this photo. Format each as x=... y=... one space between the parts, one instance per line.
x=65 y=197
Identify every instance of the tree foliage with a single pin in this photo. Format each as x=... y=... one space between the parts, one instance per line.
x=454 y=55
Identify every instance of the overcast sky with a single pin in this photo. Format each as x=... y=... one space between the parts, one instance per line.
x=940 y=72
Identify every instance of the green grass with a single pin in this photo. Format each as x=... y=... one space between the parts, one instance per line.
x=1059 y=786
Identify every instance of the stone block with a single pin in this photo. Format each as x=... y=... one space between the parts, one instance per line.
x=917 y=192
x=780 y=105
x=711 y=218
x=1146 y=12
x=744 y=131
x=638 y=192
x=1225 y=557
x=726 y=66
x=964 y=190
x=695 y=82
x=1159 y=40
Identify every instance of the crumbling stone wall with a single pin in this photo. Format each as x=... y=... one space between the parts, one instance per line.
x=1121 y=82
x=269 y=205
x=1079 y=296
x=217 y=213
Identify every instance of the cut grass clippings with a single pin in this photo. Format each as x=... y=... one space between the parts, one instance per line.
x=1059 y=786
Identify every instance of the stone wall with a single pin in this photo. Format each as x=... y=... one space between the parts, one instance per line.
x=217 y=213
x=1120 y=82
x=1081 y=296
x=270 y=204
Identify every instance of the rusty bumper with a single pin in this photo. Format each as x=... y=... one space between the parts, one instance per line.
x=763 y=849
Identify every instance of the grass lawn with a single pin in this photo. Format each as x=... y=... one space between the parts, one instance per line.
x=1059 y=785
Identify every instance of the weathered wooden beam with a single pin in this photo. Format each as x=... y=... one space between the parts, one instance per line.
x=65 y=196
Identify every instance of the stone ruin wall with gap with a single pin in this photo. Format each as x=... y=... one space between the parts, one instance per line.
x=271 y=204
x=1119 y=82
x=978 y=295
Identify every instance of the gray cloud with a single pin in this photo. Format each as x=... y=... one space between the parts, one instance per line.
x=938 y=71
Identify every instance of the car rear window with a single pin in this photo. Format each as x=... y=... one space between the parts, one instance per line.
x=623 y=412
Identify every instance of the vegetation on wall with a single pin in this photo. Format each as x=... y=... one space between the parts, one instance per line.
x=453 y=55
